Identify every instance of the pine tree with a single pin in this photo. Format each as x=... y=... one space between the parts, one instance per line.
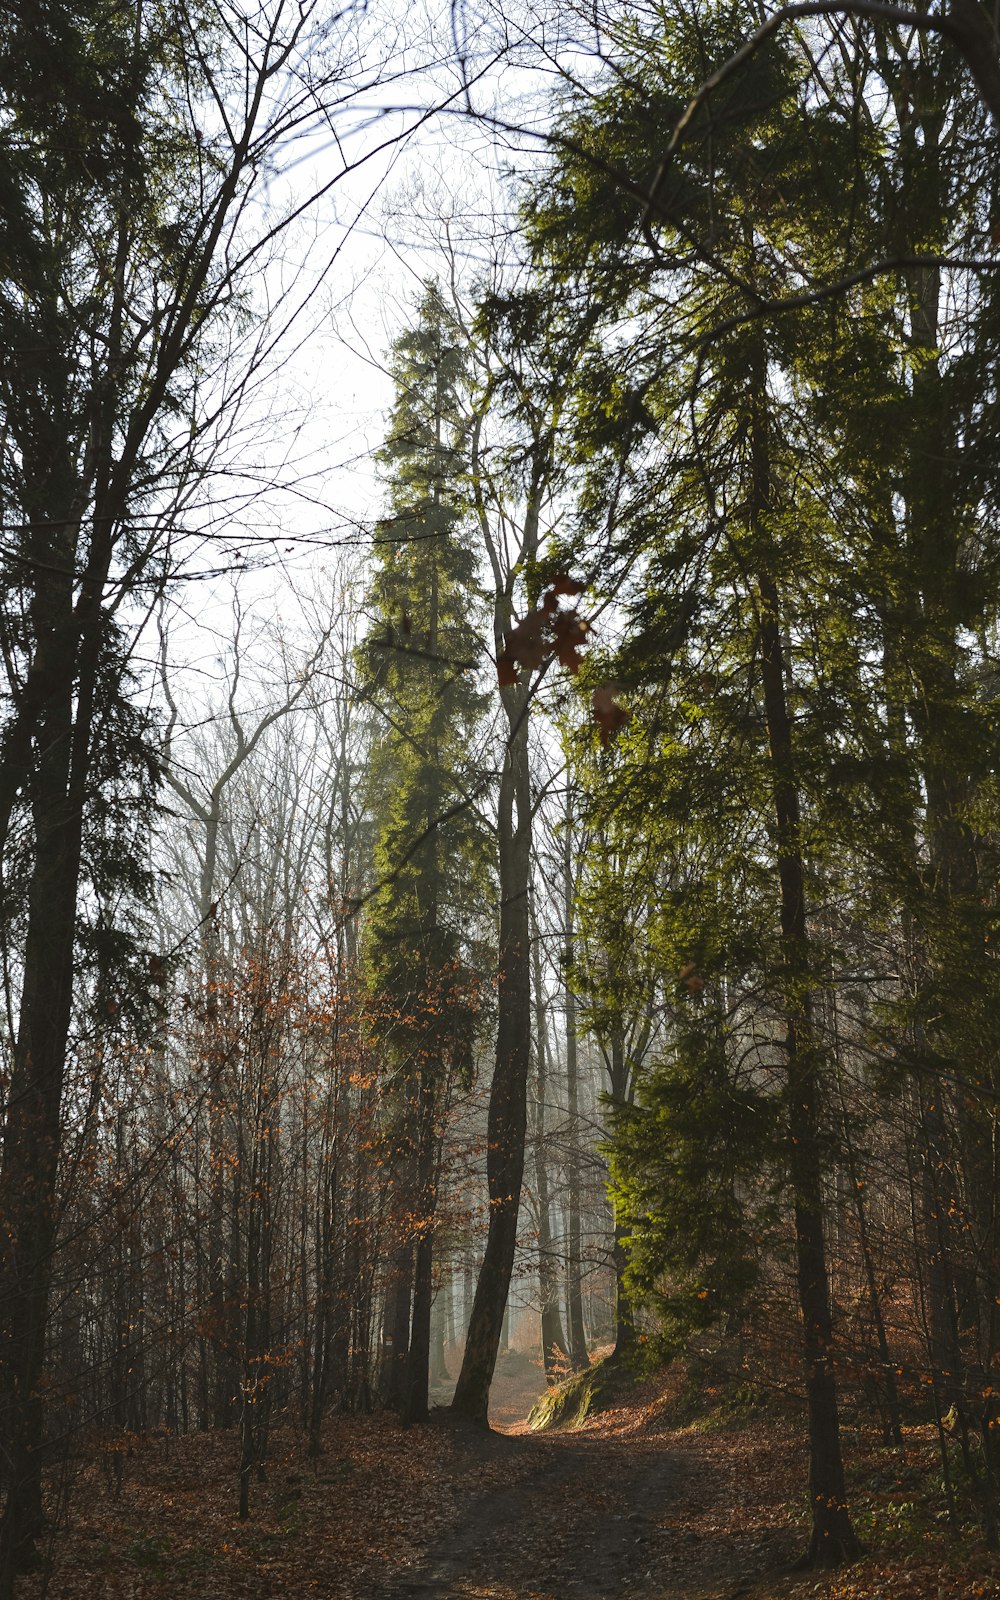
x=424 y=938
x=781 y=446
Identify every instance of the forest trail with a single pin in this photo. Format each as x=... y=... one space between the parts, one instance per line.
x=608 y=1512
x=657 y=1500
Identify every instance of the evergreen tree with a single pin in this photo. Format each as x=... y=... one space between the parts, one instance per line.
x=761 y=743
x=424 y=940
x=89 y=279
x=782 y=444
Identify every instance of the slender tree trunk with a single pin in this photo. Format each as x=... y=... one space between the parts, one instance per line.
x=578 y=1353
x=396 y=1328
x=620 y=1077
x=439 y=1323
x=833 y=1539
x=554 y=1351
x=887 y=1372
x=31 y=1143
x=416 y=1397
x=507 y=1121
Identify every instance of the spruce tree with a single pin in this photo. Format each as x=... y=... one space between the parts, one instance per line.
x=782 y=447
x=424 y=929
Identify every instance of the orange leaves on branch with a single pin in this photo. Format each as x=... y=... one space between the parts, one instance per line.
x=569 y=633
x=691 y=978
x=562 y=583
x=528 y=646
x=547 y=631
x=553 y=632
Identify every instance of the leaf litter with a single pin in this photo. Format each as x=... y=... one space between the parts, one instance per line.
x=630 y=1506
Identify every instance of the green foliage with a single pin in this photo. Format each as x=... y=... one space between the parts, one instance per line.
x=424 y=933
x=695 y=1174
x=812 y=476
x=606 y=1384
x=98 y=167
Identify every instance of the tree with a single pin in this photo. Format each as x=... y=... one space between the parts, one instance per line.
x=423 y=937
x=521 y=388
x=770 y=285
x=141 y=143
x=728 y=579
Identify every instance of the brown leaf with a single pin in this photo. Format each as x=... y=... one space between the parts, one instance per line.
x=526 y=643
x=608 y=714
x=562 y=583
x=569 y=632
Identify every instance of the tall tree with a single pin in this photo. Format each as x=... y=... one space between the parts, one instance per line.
x=521 y=388
x=140 y=148
x=424 y=932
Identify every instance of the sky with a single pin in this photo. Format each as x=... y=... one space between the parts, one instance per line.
x=453 y=108
x=419 y=168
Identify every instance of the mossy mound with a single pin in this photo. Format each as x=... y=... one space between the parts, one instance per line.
x=602 y=1387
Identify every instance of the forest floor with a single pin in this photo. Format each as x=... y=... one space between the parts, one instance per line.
x=637 y=1504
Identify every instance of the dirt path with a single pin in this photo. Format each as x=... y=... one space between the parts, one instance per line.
x=593 y=1515
x=630 y=1507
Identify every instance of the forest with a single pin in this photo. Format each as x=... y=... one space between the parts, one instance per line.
x=499 y=799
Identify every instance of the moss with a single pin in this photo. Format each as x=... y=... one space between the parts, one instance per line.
x=608 y=1383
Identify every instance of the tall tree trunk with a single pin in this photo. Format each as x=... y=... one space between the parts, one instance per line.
x=31 y=1141
x=396 y=1328
x=554 y=1351
x=832 y=1539
x=507 y=1121
x=578 y=1353
x=416 y=1397
x=620 y=1085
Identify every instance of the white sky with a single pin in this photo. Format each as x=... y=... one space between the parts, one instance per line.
x=363 y=251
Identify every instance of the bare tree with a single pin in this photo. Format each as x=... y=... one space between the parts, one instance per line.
x=131 y=336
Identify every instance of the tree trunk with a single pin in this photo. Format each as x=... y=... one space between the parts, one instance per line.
x=620 y=1085
x=31 y=1142
x=416 y=1397
x=833 y=1539
x=396 y=1329
x=578 y=1354
x=554 y=1351
x=507 y=1122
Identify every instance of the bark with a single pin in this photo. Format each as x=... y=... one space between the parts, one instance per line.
x=438 y=1363
x=832 y=1538
x=554 y=1351
x=507 y=1121
x=396 y=1329
x=579 y=1356
x=31 y=1143
x=624 y=1310
x=887 y=1372
x=507 y=1118
x=416 y=1396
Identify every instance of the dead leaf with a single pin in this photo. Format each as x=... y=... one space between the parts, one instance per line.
x=562 y=583
x=608 y=713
